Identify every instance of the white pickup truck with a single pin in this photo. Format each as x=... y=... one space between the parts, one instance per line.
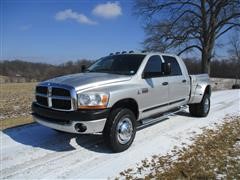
x=120 y=93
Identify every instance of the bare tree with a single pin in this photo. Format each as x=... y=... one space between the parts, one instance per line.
x=184 y=25
x=234 y=50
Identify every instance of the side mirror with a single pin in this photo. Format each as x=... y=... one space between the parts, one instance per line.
x=83 y=68
x=166 y=68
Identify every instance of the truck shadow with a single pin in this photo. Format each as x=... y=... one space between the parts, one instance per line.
x=36 y=135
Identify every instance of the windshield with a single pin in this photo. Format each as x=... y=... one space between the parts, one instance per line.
x=126 y=64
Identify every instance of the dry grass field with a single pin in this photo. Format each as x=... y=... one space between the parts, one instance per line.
x=215 y=154
x=15 y=104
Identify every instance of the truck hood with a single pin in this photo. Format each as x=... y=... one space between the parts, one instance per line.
x=87 y=80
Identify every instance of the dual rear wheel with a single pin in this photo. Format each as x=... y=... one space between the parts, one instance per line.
x=202 y=109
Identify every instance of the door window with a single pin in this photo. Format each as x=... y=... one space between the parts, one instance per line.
x=153 y=66
x=175 y=68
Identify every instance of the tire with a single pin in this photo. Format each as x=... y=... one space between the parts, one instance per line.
x=202 y=109
x=236 y=86
x=120 y=119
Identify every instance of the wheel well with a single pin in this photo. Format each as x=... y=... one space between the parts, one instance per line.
x=127 y=103
x=208 y=90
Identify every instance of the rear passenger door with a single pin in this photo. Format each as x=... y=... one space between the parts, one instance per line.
x=178 y=85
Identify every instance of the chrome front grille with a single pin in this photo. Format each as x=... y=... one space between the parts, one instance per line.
x=56 y=96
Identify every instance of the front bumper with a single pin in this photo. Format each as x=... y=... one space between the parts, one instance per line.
x=91 y=126
x=81 y=122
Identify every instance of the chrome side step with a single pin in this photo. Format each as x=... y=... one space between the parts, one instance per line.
x=149 y=121
x=181 y=108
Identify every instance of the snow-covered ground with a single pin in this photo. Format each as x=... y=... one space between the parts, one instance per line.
x=36 y=152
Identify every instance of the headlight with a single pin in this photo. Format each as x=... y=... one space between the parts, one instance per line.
x=93 y=100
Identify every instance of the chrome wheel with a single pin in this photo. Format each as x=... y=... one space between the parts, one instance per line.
x=206 y=105
x=124 y=130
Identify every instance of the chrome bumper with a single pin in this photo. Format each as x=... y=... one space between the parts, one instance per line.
x=94 y=126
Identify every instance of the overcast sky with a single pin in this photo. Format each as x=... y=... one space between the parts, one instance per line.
x=55 y=31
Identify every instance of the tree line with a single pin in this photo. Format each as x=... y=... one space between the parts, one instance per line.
x=30 y=71
x=225 y=68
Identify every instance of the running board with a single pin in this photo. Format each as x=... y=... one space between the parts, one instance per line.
x=149 y=121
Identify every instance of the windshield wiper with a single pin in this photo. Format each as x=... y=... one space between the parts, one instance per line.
x=99 y=71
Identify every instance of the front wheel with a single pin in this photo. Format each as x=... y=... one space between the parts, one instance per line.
x=202 y=109
x=120 y=129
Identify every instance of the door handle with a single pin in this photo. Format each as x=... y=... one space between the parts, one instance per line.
x=183 y=81
x=165 y=83
x=144 y=90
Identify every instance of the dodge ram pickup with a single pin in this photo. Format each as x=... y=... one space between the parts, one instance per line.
x=119 y=94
